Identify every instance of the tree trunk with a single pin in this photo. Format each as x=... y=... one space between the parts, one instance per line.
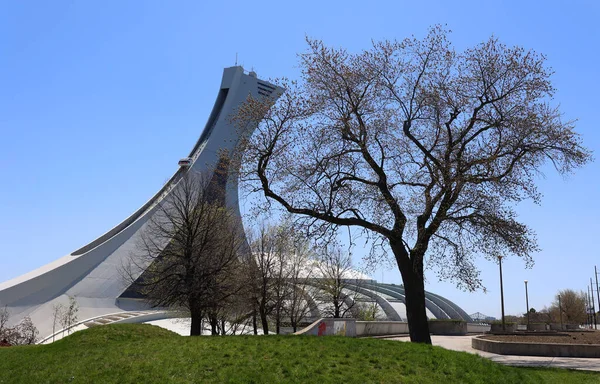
x=418 y=327
x=277 y=321
x=336 y=309
x=264 y=321
x=214 y=322
x=414 y=289
x=254 y=323
x=196 y=328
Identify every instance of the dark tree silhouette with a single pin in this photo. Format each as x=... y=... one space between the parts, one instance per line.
x=189 y=251
x=424 y=148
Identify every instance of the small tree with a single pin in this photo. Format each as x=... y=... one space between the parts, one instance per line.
x=335 y=281
x=4 y=316
x=69 y=315
x=301 y=270
x=5 y=330
x=572 y=306
x=367 y=311
x=57 y=314
x=27 y=332
x=267 y=273
x=24 y=333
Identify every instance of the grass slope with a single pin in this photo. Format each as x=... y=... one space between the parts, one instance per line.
x=131 y=353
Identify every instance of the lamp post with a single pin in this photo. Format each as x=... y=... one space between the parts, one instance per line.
x=527 y=303
x=592 y=301
x=560 y=313
x=501 y=293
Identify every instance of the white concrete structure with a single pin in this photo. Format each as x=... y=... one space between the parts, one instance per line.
x=390 y=300
x=91 y=273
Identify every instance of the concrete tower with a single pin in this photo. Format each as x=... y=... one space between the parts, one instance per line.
x=91 y=273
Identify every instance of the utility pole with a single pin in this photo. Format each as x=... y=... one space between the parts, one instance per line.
x=597 y=291
x=560 y=313
x=527 y=303
x=593 y=305
x=588 y=307
x=501 y=293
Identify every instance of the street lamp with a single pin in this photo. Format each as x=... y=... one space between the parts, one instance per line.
x=527 y=302
x=560 y=313
x=501 y=293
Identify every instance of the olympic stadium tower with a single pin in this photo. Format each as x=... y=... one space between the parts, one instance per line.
x=91 y=274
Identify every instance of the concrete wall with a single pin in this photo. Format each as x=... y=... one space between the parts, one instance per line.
x=381 y=328
x=330 y=327
x=536 y=349
x=452 y=327
x=556 y=327
x=497 y=327
x=352 y=328
x=478 y=328
x=536 y=326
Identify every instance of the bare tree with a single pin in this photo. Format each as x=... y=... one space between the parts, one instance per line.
x=368 y=311
x=27 y=332
x=24 y=333
x=267 y=273
x=297 y=305
x=425 y=149
x=335 y=282
x=189 y=250
x=4 y=316
x=57 y=313
x=68 y=316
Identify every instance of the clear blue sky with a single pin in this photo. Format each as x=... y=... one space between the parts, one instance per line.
x=98 y=101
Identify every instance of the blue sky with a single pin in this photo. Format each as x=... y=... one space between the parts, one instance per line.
x=98 y=101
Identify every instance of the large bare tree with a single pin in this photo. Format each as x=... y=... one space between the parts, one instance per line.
x=189 y=251
x=424 y=148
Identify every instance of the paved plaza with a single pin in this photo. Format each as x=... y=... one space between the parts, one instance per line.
x=463 y=344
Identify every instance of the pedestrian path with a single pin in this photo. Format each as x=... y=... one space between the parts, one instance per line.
x=463 y=344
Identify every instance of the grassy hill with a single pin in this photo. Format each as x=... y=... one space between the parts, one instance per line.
x=131 y=353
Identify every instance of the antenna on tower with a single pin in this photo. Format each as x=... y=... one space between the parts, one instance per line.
x=236 y=59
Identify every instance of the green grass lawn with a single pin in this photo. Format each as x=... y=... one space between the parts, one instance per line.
x=131 y=353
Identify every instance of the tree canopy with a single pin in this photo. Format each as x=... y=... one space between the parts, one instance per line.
x=425 y=148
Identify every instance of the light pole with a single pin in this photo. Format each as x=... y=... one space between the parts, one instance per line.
x=527 y=303
x=592 y=301
x=501 y=293
x=560 y=313
x=597 y=290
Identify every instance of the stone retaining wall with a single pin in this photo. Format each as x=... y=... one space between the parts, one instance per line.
x=508 y=327
x=477 y=328
x=536 y=326
x=353 y=328
x=535 y=349
x=381 y=328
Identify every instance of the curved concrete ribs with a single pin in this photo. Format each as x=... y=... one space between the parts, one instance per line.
x=91 y=273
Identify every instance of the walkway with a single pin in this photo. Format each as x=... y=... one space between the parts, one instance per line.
x=463 y=344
